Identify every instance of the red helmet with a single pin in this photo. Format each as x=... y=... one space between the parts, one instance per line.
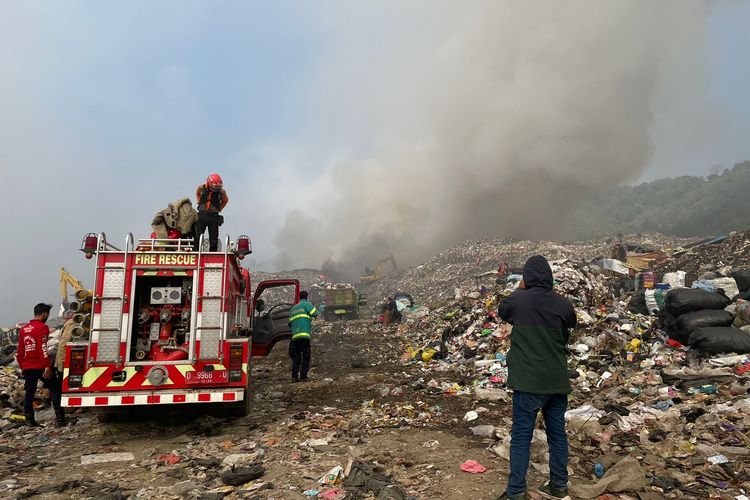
x=214 y=182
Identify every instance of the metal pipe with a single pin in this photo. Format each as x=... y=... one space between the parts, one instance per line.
x=77 y=332
x=144 y=316
x=174 y=348
x=82 y=294
x=81 y=318
x=165 y=316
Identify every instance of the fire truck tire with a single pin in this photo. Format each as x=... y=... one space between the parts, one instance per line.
x=106 y=417
x=241 y=409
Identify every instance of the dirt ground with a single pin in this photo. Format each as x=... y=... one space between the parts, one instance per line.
x=362 y=402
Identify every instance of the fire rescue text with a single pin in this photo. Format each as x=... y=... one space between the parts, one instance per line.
x=165 y=259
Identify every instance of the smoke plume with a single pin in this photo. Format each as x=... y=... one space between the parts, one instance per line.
x=485 y=118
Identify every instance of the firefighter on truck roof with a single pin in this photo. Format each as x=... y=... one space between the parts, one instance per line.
x=211 y=199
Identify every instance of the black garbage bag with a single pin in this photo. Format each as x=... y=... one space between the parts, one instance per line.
x=684 y=300
x=637 y=304
x=742 y=277
x=720 y=340
x=741 y=295
x=689 y=322
x=668 y=323
x=237 y=476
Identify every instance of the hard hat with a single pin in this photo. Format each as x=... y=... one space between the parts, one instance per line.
x=214 y=182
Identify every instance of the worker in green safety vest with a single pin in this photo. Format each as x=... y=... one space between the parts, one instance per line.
x=300 y=320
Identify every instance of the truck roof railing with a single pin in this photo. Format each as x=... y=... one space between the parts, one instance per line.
x=104 y=245
x=172 y=245
x=158 y=244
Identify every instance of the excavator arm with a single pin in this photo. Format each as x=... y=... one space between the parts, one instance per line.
x=376 y=274
x=68 y=279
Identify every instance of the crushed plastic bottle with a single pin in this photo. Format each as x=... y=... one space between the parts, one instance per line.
x=708 y=389
x=664 y=405
x=598 y=470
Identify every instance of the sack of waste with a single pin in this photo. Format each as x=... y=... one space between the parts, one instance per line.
x=742 y=277
x=742 y=309
x=651 y=303
x=685 y=300
x=626 y=475
x=720 y=339
x=637 y=304
x=729 y=285
x=689 y=322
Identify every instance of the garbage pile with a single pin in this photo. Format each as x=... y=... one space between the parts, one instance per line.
x=460 y=266
x=659 y=400
x=306 y=277
x=716 y=255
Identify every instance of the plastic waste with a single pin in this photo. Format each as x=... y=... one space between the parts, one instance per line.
x=333 y=476
x=471 y=416
x=742 y=278
x=718 y=340
x=685 y=300
x=473 y=467
x=598 y=469
x=689 y=322
x=102 y=458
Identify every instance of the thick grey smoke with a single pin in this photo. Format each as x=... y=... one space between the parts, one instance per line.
x=486 y=118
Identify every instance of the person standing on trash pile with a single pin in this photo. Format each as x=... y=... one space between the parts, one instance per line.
x=211 y=199
x=502 y=273
x=36 y=365
x=300 y=320
x=391 y=314
x=538 y=375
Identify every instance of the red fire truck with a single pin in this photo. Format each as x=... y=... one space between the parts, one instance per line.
x=170 y=325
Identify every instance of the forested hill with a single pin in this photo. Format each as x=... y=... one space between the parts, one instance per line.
x=680 y=206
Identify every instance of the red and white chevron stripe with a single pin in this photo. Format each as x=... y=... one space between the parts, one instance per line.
x=152 y=398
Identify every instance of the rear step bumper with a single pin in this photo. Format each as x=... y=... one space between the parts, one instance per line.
x=152 y=398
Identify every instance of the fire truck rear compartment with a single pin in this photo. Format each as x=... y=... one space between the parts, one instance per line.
x=161 y=323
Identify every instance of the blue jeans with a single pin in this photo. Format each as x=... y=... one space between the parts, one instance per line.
x=525 y=409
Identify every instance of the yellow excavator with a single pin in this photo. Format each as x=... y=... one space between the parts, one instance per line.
x=80 y=292
x=373 y=275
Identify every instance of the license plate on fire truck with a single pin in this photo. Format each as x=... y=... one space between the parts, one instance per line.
x=201 y=377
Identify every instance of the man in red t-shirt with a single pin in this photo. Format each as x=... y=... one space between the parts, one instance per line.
x=36 y=365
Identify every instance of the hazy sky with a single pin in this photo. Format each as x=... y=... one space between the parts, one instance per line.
x=109 y=110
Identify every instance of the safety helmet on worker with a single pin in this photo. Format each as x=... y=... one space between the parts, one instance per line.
x=214 y=182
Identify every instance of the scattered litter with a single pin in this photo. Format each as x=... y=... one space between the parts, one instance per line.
x=471 y=416
x=103 y=458
x=473 y=467
x=333 y=476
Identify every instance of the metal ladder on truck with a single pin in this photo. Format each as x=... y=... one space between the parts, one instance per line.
x=106 y=326
x=210 y=329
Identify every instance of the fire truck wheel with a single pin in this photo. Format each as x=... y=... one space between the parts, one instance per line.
x=106 y=417
x=241 y=409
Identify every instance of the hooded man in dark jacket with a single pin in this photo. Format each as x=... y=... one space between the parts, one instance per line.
x=538 y=375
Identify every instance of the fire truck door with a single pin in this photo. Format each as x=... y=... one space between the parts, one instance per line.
x=270 y=318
